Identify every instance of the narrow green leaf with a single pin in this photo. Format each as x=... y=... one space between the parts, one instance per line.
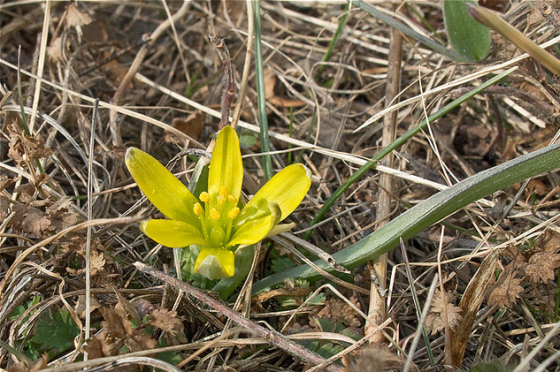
x=467 y=37
x=429 y=212
x=397 y=143
x=435 y=46
x=261 y=100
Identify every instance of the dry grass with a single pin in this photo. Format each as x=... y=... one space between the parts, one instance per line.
x=67 y=201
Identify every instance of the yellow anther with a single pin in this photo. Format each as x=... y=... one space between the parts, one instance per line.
x=221 y=200
x=198 y=210
x=214 y=214
x=233 y=213
x=224 y=191
x=204 y=197
x=232 y=199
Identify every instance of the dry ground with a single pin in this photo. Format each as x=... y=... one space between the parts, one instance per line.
x=149 y=74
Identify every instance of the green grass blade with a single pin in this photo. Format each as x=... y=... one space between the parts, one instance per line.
x=261 y=100
x=398 y=142
x=435 y=46
x=429 y=212
x=332 y=44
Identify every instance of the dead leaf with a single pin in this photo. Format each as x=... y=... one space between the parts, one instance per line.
x=80 y=307
x=541 y=266
x=375 y=359
x=54 y=51
x=192 y=126
x=435 y=321
x=27 y=365
x=271 y=97
x=339 y=311
x=75 y=17
x=550 y=241
x=506 y=292
x=170 y=323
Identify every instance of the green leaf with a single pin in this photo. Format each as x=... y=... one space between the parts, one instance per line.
x=56 y=330
x=328 y=350
x=247 y=140
x=384 y=17
x=467 y=37
x=282 y=263
x=429 y=212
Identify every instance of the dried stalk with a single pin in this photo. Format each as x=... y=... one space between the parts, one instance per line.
x=272 y=337
x=228 y=78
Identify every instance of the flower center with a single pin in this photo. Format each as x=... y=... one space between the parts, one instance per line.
x=217 y=215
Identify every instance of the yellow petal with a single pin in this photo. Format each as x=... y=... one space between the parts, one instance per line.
x=255 y=230
x=287 y=188
x=172 y=233
x=162 y=188
x=215 y=263
x=226 y=167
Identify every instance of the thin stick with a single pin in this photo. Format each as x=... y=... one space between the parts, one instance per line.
x=377 y=309
x=90 y=217
x=246 y=66
x=273 y=337
x=228 y=78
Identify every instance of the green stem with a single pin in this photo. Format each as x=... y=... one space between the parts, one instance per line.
x=261 y=100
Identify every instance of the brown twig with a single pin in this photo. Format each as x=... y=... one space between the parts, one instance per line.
x=377 y=309
x=272 y=337
x=228 y=78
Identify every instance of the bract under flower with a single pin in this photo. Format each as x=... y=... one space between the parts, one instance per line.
x=214 y=221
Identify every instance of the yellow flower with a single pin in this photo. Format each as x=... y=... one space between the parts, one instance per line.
x=214 y=220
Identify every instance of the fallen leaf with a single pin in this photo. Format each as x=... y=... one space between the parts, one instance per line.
x=541 y=266
x=435 y=321
x=27 y=365
x=272 y=98
x=506 y=292
x=192 y=126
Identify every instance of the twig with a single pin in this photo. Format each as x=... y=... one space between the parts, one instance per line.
x=228 y=78
x=273 y=337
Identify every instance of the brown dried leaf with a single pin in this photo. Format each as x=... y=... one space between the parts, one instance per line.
x=75 y=17
x=167 y=321
x=31 y=221
x=506 y=292
x=54 y=51
x=27 y=365
x=550 y=241
x=435 y=321
x=338 y=310
x=541 y=266
x=192 y=126
x=375 y=360
x=271 y=97
x=80 y=307
x=114 y=324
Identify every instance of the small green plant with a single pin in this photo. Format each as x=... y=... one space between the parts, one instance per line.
x=213 y=222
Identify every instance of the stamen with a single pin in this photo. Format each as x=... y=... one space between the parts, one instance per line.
x=215 y=214
x=232 y=199
x=233 y=213
x=221 y=200
x=198 y=210
x=204 y=197
x=224 y=191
